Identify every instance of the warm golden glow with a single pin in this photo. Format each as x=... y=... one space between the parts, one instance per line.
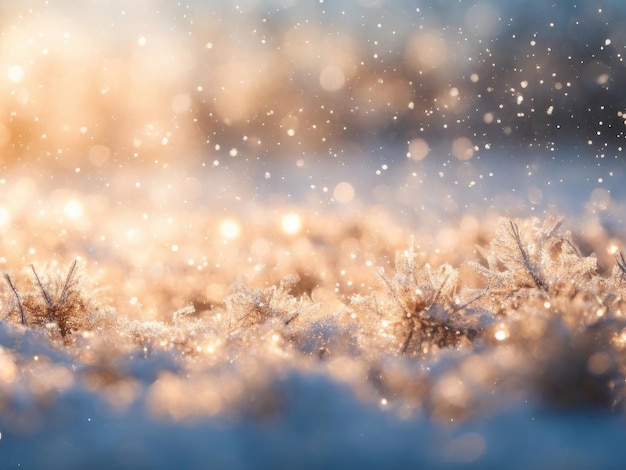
x=200 y=204
x=15 y=73
x=230 y=229
x=291 y=223
x=462 y=148
x=344 y=192
x=73 y=209
x=418 y=149
x=332 y=78
x=426 y=49
x=4 y=216
x=501 y=334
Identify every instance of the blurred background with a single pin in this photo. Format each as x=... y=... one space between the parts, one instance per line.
x=427 y=106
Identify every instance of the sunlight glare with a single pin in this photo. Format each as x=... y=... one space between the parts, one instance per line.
x=500 y=335
x=230 y=229
x=4 y=216
x=15 y=73
x=291 y=223
x=73 y=209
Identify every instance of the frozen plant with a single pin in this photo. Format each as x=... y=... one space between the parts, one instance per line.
x=248 y=307
x=58 y=303
x=419 y=308
x=534 y=262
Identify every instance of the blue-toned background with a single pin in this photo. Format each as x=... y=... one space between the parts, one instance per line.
x=426 y=106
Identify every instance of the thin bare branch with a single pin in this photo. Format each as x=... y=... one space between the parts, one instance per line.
x=621 y=263
x=526 y=262
x=392 y=292
x=471 y=301
x=68 y=284
x=554 y=229
x=292 y=318
x=438 y=293
x=17 y=296
x=574 y=248
x=405 y=346
x=44 y=292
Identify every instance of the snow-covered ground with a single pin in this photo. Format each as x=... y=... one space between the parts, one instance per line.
x=302 y=234
x=316 y=423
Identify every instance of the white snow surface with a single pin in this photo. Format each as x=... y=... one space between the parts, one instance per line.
x=320 y=424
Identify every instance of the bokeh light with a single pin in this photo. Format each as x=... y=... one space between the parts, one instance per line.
x=291 y=223
x=230 y=229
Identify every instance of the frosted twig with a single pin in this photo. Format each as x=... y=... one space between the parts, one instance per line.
x=17 y=296
x=44 y=292
x=392 y=291
x=621 y=263
x=181 y=312
x=438 y=293
x=292 y=318
x=480 y=295
x=67 y=285
x=530 y=267
x=554 y=229
x=405 y=346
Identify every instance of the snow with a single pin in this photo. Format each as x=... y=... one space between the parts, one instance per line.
x=304 y=420
x=311 y=422
x=300 y=234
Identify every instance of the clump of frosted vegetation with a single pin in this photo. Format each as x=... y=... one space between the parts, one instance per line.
x=526 y=317
x=420 y=309
x=57 y=303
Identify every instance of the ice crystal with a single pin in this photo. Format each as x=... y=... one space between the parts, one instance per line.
x=417 y=308
x=538 y=321
x=59 y=303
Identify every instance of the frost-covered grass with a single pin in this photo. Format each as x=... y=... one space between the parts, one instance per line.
x=272 y=234
x=308 y=338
